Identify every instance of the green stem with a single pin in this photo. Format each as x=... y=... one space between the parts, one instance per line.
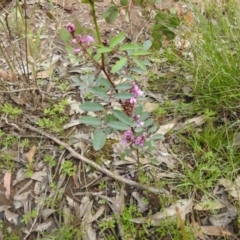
x=95 y=21
x=97 y=30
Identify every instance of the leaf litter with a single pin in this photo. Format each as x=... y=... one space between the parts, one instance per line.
x=48 y=190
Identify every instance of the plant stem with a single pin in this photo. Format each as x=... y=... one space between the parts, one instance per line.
x=98 y=32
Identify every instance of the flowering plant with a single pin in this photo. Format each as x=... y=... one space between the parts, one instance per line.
x=115 y=91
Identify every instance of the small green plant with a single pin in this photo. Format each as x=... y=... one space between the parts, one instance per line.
x=54 y=116
x=69 y=168
x=25 y=143
x=29 y=167
x=56 y=201
x=29 y=216
x=10 y=110
x=50 y=160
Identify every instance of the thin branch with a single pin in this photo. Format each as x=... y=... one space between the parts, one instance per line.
x=19 y=90
x=96 y=166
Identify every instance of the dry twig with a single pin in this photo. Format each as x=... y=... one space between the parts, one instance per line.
x=96 y=166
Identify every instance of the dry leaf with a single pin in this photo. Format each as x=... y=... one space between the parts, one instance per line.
x=43 y=74
x=209 y=205
x=149 y=107
x=189 y=19
x=3 y=74
x=165 y=128
x=31 y=153
x=233 y=188
x=7 y=184
x=181 y=208
x=215 y=231
x=197 y=231
x=196 y=120
x=42 y=227
x=222 y=219
x=11 y=217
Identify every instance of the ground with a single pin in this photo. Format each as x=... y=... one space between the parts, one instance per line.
x=56 y=186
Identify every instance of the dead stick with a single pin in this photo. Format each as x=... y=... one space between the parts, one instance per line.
x=96 y=166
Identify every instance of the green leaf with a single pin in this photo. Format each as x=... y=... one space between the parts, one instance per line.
x=103 y=82
x=148 y=122
x=137 y=70
x=104 y=49
x=119 y=64
x=157 y=136
x=130 y=78
x=140 y=53
x=64 y=35
x=98 y=92
x=111 y=14
x=138 y=130
x=89 y=120
x=99 y=140
x=108 y=130
x=91 y=106
x=123 y=96
x=147 y=44
x=144 y=116
x=124 y=86
x=109 y=118
x=124 y=2
x=79 y=29
x=118 y=125
x=130 y=46
x=153 y=129
x=140 y=63
x=123 y=117
x=116 y=40
x=139 y=110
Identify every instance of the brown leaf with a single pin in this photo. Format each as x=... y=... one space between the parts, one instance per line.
x=197 y=231
x=31 y=153
x=3 y=74
x=43 y=74
x=215 y=231
x=7 y=183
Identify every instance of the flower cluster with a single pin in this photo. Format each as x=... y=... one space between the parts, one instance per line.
x=129 y=105
x=131 y=139
x=136 y=93
x=80 y=39
x=137 y=119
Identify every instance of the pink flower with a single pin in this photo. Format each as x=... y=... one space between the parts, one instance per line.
x=76 y=50
x=136 y=91
x=86 y=39
x=128 y=133
x=129 y=138
x=136 y=118
x=140 y=140
x=140 y=124
x=71 y=27
x=133 y=100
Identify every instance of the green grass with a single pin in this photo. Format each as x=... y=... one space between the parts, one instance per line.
x=216 y=51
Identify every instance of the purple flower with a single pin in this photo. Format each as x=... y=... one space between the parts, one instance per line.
x=133 y=100
x=128 y=133
x=71 y=27
x=136 y=91
x=76 y=50
x=86 y=39
x=128 y=137
x=136 y=118
x=140 y=123
x=140 y=140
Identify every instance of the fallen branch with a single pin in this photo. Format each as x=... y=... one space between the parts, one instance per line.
x=96 y=166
